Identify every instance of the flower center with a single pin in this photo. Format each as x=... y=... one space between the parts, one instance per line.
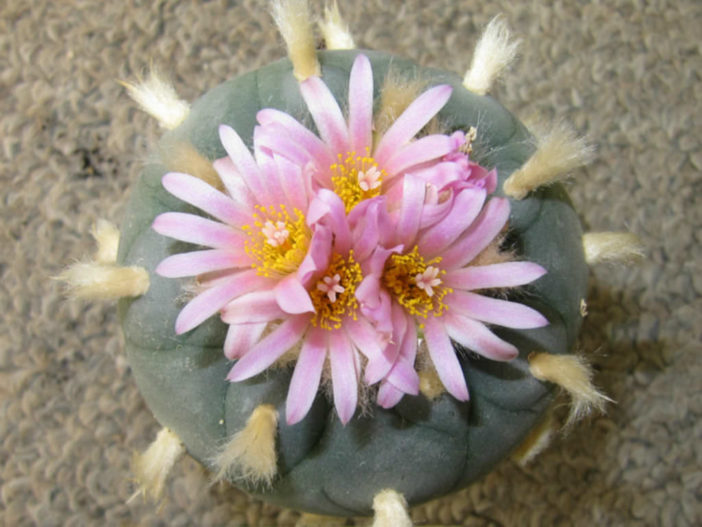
x=277 y=242
x=334 y=295
x=356 y=178
x=416 y=284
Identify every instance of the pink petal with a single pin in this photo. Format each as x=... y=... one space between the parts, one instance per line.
x=326 y=114
x=495 y=311
x=365 y=232
x=270 y=349
x=244 y=161
x=200 y=231
x=290 y=131
x=198 y=193
x=476 y=337
x=270 y=176
x=388 y=395
x=443 y=355
x=327 y=206
x=207 y=303
x=413 y=192
x=241 y=338
x=466 y=207
x=294 y=183
x=422 y=150
x=412 y=120
x=480 y=234
x=292 y=297
x=369 y=342
x=255 y=307
x=199 y=262
x=344 y=375
x=234 y=183
x=361 y=105
x=318 y=254
x=506 y=274
x=306 y=377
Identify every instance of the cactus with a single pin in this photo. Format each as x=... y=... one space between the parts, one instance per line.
x=377 y=306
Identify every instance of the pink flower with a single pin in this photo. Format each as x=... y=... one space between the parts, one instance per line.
x=334 y=328
x=429 y=287
x=344 y=158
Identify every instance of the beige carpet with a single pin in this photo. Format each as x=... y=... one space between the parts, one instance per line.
x=626 y=73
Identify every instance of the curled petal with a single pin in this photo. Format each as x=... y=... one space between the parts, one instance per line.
x=423 y=150
x=328 y=206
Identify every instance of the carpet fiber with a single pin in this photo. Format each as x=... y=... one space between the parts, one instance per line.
x=625 y=73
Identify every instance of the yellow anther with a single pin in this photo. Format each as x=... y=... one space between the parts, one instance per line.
x=416 y=284
x=356 y=178
x=334 y=295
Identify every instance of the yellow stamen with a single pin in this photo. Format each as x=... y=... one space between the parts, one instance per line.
x=400 y=278
x=343 y=275
x=356 y=178
x=277 y=242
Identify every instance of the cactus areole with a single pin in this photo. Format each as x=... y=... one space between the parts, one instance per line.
x=362 y=426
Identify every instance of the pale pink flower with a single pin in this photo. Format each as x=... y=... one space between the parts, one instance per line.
x=333 y=329
x=430 y=285
x=343 y=158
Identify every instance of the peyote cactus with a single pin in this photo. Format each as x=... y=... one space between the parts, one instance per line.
x=347 y=277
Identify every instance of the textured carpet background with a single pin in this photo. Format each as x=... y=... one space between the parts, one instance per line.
x=626 y=73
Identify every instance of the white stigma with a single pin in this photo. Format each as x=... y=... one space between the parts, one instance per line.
x=369 y=180
x=330 y=285
x=428 y=280
x=276 y=234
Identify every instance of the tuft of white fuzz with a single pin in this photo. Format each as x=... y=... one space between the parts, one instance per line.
x=153 y=466
x=390 y=509
x=574 y=375
x=612 y=247
x=536 y=442
x=558 y=151
x=158 y=98
x=493 y=53
x=96 y=281
x=250 y=453
x=106 y=235
x=335 y=31
x=295 y=25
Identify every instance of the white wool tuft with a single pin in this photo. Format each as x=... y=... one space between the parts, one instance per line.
x=250 y=453
x=334 y=30
x=158 y=98
x=106 y=235
x=96 y=281
x=572 y=374
x=390 y=509
x=494 y=52
x=294 y=22
x=612 y=247
x=559 y=151
x=153 y=466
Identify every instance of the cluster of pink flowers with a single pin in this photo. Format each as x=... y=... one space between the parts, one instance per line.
x=347 y=247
